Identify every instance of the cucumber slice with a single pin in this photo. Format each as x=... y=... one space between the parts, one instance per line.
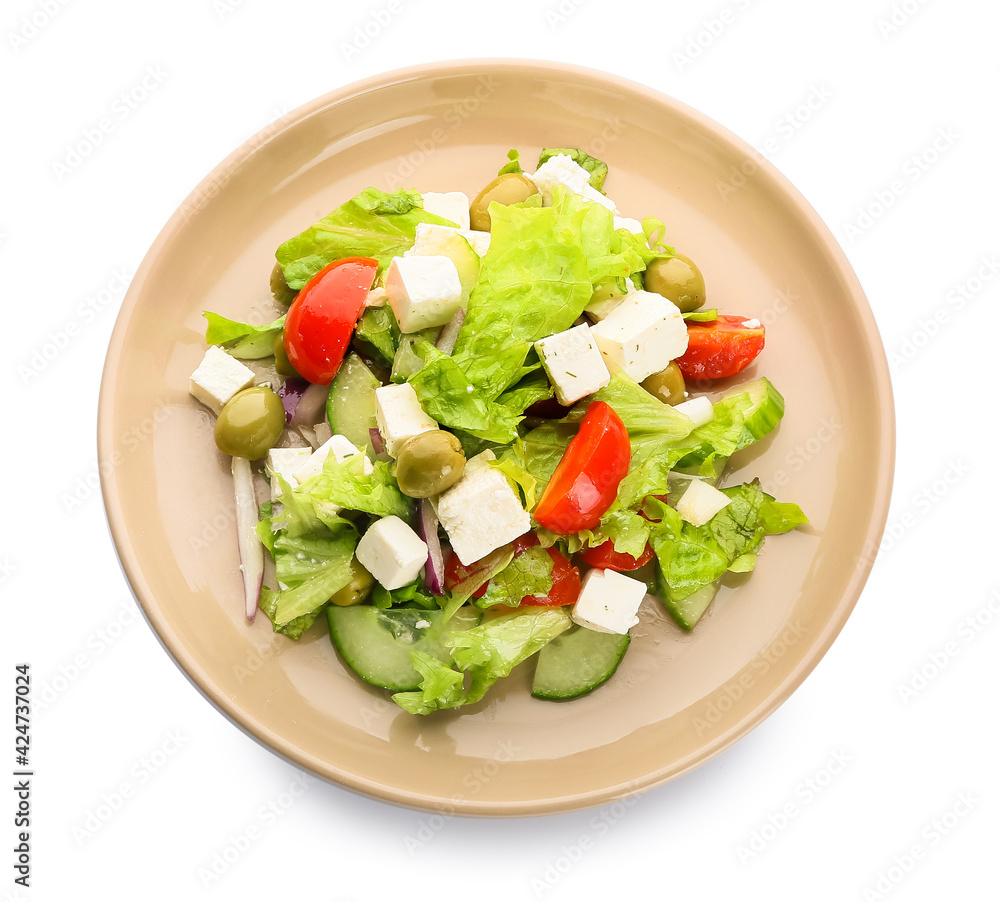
x=376 y=644
x=407 y=361
x=446 y=243
x=350 y=406
x=688 y=611
x=766 y=410
x=577 y=662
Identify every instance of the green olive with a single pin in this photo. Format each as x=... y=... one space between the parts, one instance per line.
x=279 y=287
x=251 y=422
x=667 y=385
x=357 y=590
x=282 y=365
x=678 y=280
x=506 y=189
x=429 y=463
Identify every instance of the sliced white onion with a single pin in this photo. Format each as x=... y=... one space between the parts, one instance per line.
x=449 y=332
x=251 y=549
x=312 y=405
x=428 y=528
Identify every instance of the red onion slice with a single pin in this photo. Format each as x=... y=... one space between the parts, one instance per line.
x=378 y=445
x=428 y=528
x=449 y=332
x=291 y=393
x=251 y=549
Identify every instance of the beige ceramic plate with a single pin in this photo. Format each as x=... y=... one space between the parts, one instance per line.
x=678 y=699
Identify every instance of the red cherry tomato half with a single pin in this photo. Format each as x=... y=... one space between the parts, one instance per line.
x=586 y=480
x=456 y=572
x=321 y=320
x=721 y=348
x=604 y=557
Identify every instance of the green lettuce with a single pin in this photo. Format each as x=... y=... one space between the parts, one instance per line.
x=377 y=329
x=243 y=340
x=485 y=653
x=414 y=593
x=371 y=224
x=294 y=629
x=528 y=573
x=598 y=170
x=312 y=553
x=345 y=484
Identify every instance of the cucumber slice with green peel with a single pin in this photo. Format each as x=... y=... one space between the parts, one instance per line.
x=350 y=406
x=767 y=407
x=688 y=611
x=577 y=662
x=466 y=261
x=407 y=361
x=376 y=644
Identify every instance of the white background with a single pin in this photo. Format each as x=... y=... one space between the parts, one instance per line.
x=854 y=789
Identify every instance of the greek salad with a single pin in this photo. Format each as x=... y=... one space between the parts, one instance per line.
x=479 y=434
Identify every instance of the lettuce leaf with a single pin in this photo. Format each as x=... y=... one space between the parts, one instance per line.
x=598 y=170
x=294 y=629
x=347 y=485
x=528 y=573
x=312 y=554
x=371 y=224
x=487 y=653
x=378 y=330
x=243 y=340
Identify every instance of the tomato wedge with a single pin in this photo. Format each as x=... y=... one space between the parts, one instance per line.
x=586 y=480
x=604 y=557
x=565 y=577
x=721 y=348
x=321 y=320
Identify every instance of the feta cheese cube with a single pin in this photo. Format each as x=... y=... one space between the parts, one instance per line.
x=699 y=409
x=399 y=415
x=339 y=446
x=218 y=378
x=608 y=602
x=700 y=502
x=641 y=335
x=284 y=462
x=430 y=239
x=453 y=205
x=375 y=297
x=573 y=363
x=392 y=552
x=563 y=170
x=629 y=224
x=481 y=511
x=423 y=291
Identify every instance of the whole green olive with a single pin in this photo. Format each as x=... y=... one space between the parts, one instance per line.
x=251 y=422
x=506 y=189
x=667 y=385
x=429 y=463
x=678 y=280
x=282 y=365
x=357 y=590
x=279 y=287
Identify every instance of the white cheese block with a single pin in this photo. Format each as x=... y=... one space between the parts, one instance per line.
x=399 y=415
x=573 y=363
x=608 y=602
x=641 y=335
x=218 y=378
x=284 y=462
x=699 y=409
x=452 y=205
x=430 y=239
x=481 y=511
x=340 y=447
x=423 y=291
x=700 y=502
x=629 y=224
x=563 y=170
x=392 y=552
